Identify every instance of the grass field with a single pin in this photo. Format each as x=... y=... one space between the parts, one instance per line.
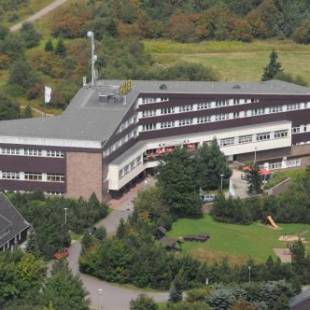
x=278 y=177
x=234 y=61
x=237 y=242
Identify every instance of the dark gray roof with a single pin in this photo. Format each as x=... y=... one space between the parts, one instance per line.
x=86 y=118
x=11 y=221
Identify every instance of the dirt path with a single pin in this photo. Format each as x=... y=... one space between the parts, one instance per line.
x=48 y=9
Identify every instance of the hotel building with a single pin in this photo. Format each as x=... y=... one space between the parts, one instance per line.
x=104 y=141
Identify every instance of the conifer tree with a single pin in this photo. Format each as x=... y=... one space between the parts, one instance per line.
x=273 y=68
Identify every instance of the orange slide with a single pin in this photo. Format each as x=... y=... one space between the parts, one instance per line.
x=272 y=222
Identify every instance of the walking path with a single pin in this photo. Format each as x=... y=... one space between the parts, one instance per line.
x=240 y=186
x=102 y=294
x=48 y=9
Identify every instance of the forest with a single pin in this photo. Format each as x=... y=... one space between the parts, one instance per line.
x=194 y=20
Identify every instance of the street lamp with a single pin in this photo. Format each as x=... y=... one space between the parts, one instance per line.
x=91 y=35
x=249 y=269
x=66 y=215
x=100 y=291
x=222 y=176
x=255 y=155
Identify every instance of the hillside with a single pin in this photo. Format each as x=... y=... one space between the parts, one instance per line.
x=12 y=12
x=148 y=40
x=233 y=60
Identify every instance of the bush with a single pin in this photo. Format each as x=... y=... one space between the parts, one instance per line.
x=9 y=109
x=21 y=74
x=29 y=35
x=143 y=303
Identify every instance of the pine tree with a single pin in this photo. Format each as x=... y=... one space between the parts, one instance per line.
x=64 y=290
x=32 y=245
x=49 y=46
x=211 y=164
x=273 y=68
x=60 y=48
x=254 y=179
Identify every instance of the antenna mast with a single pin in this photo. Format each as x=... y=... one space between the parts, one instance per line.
x=91 y=35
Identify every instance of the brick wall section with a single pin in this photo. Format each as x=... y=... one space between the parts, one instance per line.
x=84 y=175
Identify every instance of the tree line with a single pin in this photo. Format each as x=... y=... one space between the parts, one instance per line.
x=47 y=217
x=24 y=284
x=190 y=20
x=292 y=206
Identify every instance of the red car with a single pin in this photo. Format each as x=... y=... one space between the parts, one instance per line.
x=61 y=254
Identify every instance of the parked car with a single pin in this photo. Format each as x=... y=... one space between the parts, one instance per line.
x=208 y=197
x=61 y=254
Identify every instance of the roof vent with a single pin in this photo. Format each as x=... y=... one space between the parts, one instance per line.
x=237 y=86
x=163 y=87
x=110 y=98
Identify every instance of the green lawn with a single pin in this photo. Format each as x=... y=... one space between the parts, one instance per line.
x=234 y=61
x=237 y=242
x=278 y=177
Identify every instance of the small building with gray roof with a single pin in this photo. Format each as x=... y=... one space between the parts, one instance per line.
x=13 y=227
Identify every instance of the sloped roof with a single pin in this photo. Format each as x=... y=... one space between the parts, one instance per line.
x=11 y=221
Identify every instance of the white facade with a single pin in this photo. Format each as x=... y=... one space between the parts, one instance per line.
x=263 y=137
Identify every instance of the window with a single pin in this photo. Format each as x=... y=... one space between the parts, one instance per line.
x=222 y=103
x=166 y=124
x=245 y=139
x=263 y=136
x=33 y=176
x=236 y=115
x=148 y=100
x=167 y=110
x=204 y=119
x=280 y=134
x=54 y=194
x=221 y=117
x=294 y=106
x=276 y=109
x=259 y=111
x=32 y=152
x=51 y=153
x=149 y=127
x=186 y=108
x=59 y=178
x=293 y=163
x=236 y=101
x=149 y=113
x=227 y=141
x=185 y=122
x=10 y=175
x=276 y=165
x=10 y=151
x=296 y=130
x=204 y=106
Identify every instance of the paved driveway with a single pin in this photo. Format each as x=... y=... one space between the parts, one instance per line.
x=102 y=294
x=240 y=186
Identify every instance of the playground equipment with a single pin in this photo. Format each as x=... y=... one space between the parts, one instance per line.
x=272 y=222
